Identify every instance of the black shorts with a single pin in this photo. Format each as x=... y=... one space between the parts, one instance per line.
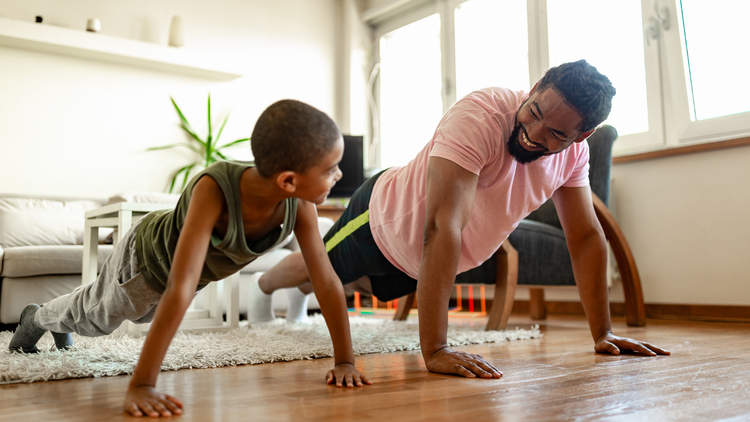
x=354 y=253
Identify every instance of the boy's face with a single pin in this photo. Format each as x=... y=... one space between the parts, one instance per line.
x=315 y=184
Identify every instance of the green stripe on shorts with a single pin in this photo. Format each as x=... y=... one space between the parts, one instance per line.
x=348 y=229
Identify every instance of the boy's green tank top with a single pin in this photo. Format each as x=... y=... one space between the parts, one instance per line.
x=156 y=238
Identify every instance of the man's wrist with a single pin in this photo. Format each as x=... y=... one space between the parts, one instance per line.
x=603 y=334
x=428 y=352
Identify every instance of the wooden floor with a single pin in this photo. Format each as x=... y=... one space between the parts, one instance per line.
x=555 y=378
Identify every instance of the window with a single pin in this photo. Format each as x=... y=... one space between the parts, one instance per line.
x=481 y=61
x=679 y=66
x=595 y=44
x=410 y=94
x=717 y=57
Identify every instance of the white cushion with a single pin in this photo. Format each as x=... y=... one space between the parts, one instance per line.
x=30 y=222
x=19 y=292
x=145 y=198
x=29 y=261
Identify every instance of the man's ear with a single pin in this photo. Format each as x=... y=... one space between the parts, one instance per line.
x=534 y=88
x=287 y=181
x=584 y=135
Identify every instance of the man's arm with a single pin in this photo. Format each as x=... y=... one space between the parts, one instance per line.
x=450 y=199
x=588 y=252
x=203 y=212
x=330 y=295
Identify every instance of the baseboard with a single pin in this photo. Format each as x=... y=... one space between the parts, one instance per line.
x=717 y=313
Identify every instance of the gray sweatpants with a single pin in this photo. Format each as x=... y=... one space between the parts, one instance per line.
x=119 y=293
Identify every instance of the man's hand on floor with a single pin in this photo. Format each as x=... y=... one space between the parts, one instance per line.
x=612 y=344
x=447 y=361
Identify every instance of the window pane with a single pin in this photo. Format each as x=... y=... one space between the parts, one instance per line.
x=609 y=35
x=717 y=47
x=411 y=104
x=481 y=59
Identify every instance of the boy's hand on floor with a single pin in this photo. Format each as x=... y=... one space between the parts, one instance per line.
x=146 y=401
x=612 y=344
x=346 y=375
x=447 y=361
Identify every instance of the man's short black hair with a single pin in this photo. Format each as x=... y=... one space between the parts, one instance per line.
x=291 y=135
x=584 y=88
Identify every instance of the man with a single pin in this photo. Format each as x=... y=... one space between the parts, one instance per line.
x=496 y=156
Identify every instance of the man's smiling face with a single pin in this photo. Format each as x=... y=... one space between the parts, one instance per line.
x=545 y=125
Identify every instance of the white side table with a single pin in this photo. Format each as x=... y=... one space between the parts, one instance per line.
x=122 y=216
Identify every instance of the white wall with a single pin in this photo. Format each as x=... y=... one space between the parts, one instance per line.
x=73 y=127
x=686 y=219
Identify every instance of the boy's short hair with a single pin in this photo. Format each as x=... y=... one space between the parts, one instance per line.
x=584 y=88
x=291 y=135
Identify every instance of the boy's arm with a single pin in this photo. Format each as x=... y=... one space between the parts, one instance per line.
x=203 y=212
x=330 y=295
x=450 y=198
x=588 y=252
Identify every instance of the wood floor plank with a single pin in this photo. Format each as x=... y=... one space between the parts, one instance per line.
x=555 y=378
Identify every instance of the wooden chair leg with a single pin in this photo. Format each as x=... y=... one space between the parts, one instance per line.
x=635 y=310
x=404 y=306
x=505 y=286
x=537 y=307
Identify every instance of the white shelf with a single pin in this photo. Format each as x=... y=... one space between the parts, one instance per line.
x=99 y=47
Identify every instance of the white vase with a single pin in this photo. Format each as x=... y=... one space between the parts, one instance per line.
x=93 y=25
x=176 y=32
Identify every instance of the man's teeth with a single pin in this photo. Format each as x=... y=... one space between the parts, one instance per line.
x=526 y=140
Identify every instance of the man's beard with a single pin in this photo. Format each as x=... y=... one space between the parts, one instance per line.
x=518 y=152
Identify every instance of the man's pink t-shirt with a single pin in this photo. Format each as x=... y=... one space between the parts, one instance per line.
x=473 y=134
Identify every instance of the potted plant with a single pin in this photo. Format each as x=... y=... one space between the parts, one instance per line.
x=208 y=149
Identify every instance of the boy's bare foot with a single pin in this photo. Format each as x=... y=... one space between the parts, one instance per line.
x=27 y=334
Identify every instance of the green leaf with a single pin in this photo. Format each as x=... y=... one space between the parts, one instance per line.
x=210 y=134
x=187 y=174
x=221 y=129
x=174 y=178
x=234 y=143
x=223 y=157
x=183 y=144
x=185 y=124
x=201 y=141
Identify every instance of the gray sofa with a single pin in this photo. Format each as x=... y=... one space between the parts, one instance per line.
x=41 y=249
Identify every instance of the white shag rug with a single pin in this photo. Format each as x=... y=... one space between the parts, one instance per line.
x=118 y=354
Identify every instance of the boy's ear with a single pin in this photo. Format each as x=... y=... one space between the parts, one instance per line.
x=584 y=135
x=287 y=181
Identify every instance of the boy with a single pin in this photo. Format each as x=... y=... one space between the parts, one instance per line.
x=221 y=223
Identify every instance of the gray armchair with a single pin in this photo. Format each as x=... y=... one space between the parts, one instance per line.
x=536 y=255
